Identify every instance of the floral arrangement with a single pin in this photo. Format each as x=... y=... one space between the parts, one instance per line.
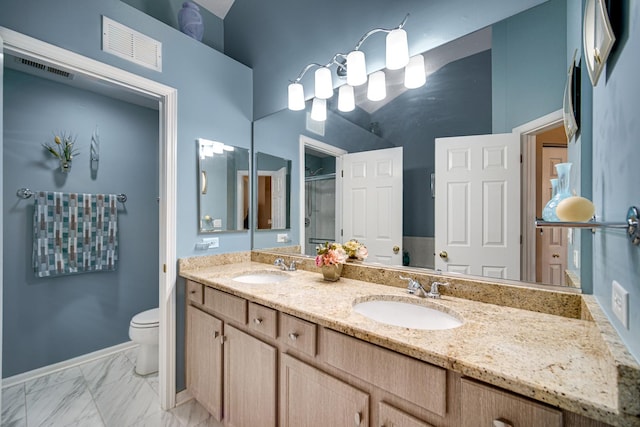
x=356 y=250
x=330 y=254
x=63 y=148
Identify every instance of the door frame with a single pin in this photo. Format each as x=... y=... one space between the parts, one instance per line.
x=336 y=152
x=528 y=132
x=167 y=97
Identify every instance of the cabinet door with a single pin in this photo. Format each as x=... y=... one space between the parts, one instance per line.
x=249 y=380
x=311 y=398
x=485 y=406
x=204 y=360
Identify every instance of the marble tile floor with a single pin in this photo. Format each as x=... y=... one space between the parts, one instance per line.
x=102 y=393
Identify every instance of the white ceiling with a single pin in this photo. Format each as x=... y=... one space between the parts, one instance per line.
x=220 y=8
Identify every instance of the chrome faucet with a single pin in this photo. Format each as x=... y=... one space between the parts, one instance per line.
x=279 y=262
x=414 y=287
x=434 y=292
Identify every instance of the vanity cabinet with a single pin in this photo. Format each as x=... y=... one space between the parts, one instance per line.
x=309 y=397
x=251 y=365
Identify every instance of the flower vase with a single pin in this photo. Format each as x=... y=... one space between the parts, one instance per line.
x=190 y=20
x=65 y=166
x=562 y=192
x=331 y=272
x=547 y=212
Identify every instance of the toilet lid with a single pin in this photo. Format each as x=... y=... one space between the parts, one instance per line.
x=146 y=318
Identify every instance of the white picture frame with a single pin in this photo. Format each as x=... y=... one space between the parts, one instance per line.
x=598 y=38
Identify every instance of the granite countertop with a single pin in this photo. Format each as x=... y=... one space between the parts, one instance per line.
x=562 y=361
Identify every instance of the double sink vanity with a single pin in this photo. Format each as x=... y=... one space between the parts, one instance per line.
x=267 y=347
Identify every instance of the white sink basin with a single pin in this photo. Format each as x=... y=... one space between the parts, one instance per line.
x=261 y=277
x=406 y=314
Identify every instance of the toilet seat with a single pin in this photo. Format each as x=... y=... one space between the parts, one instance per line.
x=146 y=319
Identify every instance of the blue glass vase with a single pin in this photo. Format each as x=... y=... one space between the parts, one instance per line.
x=190 y=20
x=562 y=192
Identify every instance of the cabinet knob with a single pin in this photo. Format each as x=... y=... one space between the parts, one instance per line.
x=501 y=422
x=293 y=336
x=357 y=418
x=257 y=321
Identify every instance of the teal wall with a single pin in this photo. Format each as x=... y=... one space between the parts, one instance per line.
x=53 y=319
x=522 y=90
x=616 y=100
x=214 y=99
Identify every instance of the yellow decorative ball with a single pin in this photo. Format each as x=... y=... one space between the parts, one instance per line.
x=575 y=209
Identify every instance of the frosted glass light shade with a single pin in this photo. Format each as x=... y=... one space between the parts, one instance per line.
x=319 y=110
x=296 y=97
x=414 y=74
x=397 y=49
x=346 y=98
x=377 y=89
x=323 y=83
x=356 y=68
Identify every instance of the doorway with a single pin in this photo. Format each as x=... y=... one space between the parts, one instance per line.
x=16 y=43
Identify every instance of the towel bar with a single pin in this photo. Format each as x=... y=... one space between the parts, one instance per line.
x=25 y=193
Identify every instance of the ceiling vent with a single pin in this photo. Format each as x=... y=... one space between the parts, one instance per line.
x=45 y=68
x=129 y=44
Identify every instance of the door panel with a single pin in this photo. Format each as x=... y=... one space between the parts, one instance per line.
x=372 y=202
x=477 y=218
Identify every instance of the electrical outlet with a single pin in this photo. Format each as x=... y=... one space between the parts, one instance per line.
x=212 y=242
x=620 y=303
x=282 y=238
x=576 y=258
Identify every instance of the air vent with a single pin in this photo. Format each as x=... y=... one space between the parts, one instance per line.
x=129 y=44
x=43 y=67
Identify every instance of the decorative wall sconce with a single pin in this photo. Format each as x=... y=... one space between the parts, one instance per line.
x=353 y=67
x=598 y=38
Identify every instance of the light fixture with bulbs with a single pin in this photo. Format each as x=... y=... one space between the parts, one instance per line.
x=353 y=66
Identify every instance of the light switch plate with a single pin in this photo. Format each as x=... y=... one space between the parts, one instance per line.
x=213 y=242
x=620 y=303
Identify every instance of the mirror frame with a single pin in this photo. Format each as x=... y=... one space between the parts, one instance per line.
x=202 y=189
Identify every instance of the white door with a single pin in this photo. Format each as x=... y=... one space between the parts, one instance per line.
x=279 y=199
x=477 y=214
x=372 y=203
x=552 y=244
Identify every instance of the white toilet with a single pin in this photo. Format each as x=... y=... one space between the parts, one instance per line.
x=144 y=331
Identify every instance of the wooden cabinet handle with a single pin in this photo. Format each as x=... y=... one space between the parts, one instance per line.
x=357 y=418
x=501 y=422
x=257 y=321
x=293 y=336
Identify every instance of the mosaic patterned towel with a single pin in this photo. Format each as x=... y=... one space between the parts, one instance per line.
x=74 y=233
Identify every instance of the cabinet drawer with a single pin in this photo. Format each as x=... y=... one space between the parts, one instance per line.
x=408 y=378
x=195 y=292
x=393 y=417
x=263 y=319
x=227 y=305
x=298 y=334
x=482 y=405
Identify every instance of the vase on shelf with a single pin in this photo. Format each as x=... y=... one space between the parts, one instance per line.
x=331 y=272
x=65 y=165
x=190 y=20
x=561 y=192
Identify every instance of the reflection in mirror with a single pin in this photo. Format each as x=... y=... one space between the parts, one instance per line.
x=223 y=187
x=483 y=83
x=273 y=192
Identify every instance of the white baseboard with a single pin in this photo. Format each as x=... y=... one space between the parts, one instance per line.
x=50 y=369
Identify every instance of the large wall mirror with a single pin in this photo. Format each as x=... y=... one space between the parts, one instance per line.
x=483 y=83
x=273 y=192
x=223 y=187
